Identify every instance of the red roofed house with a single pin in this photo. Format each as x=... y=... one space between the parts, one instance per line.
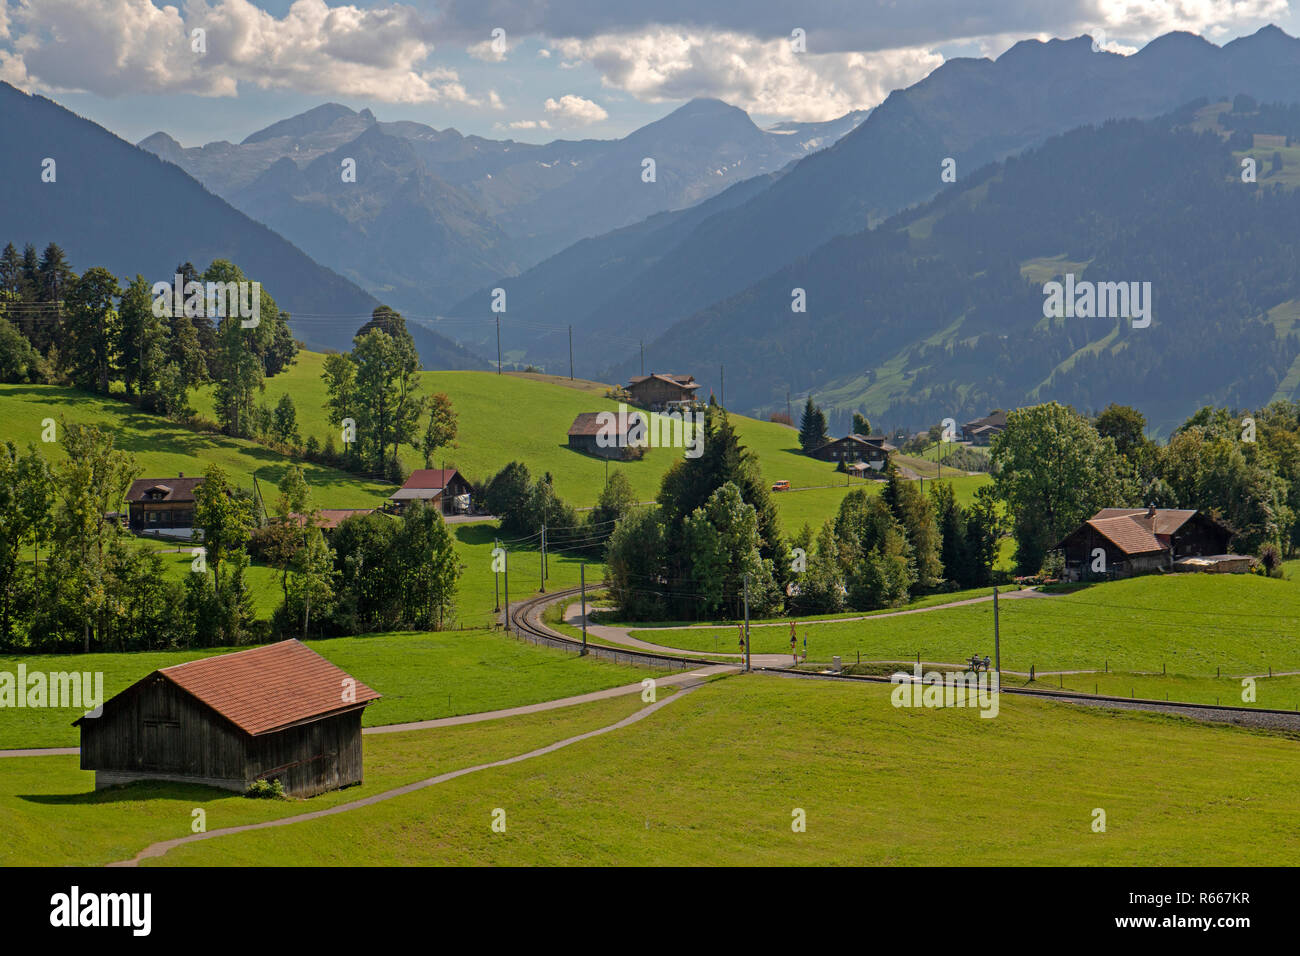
x=445 y=487
x=280 y=711
x=1133 y=540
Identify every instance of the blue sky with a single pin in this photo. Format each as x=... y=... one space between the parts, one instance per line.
x=564 y=69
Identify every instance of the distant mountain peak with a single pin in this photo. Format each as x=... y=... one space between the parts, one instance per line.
x=161 y=145
x=315 y=119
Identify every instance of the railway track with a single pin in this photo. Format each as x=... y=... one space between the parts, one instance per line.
x=526 y=624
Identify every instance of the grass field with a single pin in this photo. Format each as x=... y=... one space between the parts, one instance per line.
x=1192 y=624
x=421 y=675
x=164 y=449
x=55 y=817
x=716 y=776
x=527 y=417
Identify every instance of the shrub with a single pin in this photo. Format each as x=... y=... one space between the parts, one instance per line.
x=266 y=790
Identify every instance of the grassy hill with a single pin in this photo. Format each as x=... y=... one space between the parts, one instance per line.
x=527 y=417
x=165 y=449
x=879 y=785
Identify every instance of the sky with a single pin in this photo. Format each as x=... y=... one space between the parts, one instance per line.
x=535 y=70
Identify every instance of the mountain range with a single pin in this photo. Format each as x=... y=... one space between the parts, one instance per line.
x=433 y=214
x=112 y=204
x=655 y=282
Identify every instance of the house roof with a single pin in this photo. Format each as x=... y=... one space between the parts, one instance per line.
x=416 y=494
x=176 y=489
x=591 y=423
x=877 y=440
x=1128 y=535
x=269 y=688
x=873 y=441
x=1166 y=520
x=1138 y=530
x=997 y=419
x=435 y=478
x=681 y=381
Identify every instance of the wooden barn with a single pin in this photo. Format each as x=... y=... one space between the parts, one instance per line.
x=280 y=711
x=605 y=434
x=1137 y=540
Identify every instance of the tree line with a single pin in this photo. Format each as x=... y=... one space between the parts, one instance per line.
x=73 y=578
x=94 y=332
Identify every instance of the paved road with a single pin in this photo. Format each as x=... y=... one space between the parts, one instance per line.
x=155 y=850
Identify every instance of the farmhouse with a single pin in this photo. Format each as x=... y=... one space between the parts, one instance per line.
x=981 y=430
x=588 y=427
x=871 y=450
x=280 y=711
x=659 y=390
x=445 y=488
x=156 y=504
x=1134 y=540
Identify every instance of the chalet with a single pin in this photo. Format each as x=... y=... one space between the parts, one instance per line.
x=154 y=504
x=871 y=450
x=611 y=429
x=658 y=390
x=280 y=711
x=1135 y=540
x=981 y=430
x=444 y=488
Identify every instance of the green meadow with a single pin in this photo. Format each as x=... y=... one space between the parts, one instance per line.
x=719 y=775
x=55 y=817
x=422 y=676
x=1193 y=625
x=164 y=449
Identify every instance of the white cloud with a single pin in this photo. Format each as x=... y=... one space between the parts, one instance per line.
x=493 y=49
x=760 y=76
x=4 y=20
x=544 y=53
x=122 y=47
x=570 y=110
x=526 y=124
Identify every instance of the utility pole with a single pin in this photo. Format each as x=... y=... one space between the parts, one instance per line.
x=722 y=374
x=505 y=564
x=787 y=407
x=496 y=577
x=570 y=353
x=582 y=581
x=747 y=665
x=542 y=569
x=498 y=344
x=642 y=356
x=997 y=644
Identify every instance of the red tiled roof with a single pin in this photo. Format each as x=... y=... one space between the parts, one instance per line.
x=1166 y=520
x=1127 y=534
x=430 y=478
x=590 y=423
x=268 y=688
